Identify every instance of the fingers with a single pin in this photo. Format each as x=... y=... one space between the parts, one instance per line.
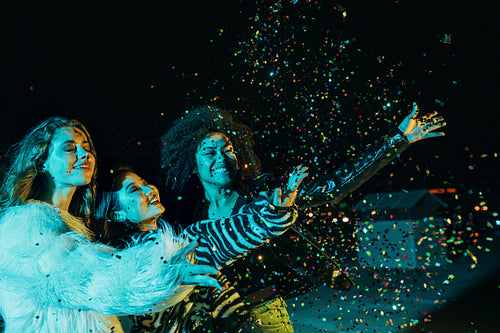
x=200 y=269
x=431 y=121
x=296 y=177
x=434 y=120
x=414 y=112
x=186 y=250
x=432 y=127
x=204 y=280
x=429 y=116
x=277 y=197
x=433 y=134
x=199 y=275
x=302 y=175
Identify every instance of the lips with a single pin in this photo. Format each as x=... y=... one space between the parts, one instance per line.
x=83 y=166
x=154 y=200
x=221 y=170
x=225 y=169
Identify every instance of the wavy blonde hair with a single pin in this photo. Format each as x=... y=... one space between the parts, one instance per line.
x=26 y=180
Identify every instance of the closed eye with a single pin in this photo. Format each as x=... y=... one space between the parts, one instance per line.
x=69 y=147
x=86 y=147
x=133 y=188
x=208 y=153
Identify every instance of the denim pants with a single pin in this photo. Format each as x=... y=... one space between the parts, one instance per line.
x=269 y=316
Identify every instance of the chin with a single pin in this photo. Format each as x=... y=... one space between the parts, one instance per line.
x=85 y=183
x=158 y=211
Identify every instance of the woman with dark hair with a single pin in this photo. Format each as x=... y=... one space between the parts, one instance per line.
x=209 y=157
x=53 y=277
x=129 y=208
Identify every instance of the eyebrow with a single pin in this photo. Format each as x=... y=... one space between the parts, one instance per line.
x=229 y=143
x=73 y=141
x=133 y=183
x=129 y=186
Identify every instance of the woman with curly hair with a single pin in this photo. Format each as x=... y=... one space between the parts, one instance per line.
x=210 y=158
x=53 y=277
x=180 y=144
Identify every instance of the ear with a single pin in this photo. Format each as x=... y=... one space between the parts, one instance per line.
x=118 y=216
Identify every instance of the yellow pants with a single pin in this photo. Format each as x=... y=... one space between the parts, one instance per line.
x=269 y=316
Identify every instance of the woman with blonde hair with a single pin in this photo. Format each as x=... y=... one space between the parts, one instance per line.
x=53 y=277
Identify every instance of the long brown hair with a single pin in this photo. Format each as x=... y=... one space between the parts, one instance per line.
x=105 y=229
x=26 y=179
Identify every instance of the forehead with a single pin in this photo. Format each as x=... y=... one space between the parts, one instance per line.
x=215 y=139
x=125 y=179
x=68 y=134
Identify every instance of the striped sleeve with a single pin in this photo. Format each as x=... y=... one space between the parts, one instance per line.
x=221 y=241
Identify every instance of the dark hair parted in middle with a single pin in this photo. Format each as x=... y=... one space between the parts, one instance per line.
x=180 y=142
x=107 y=231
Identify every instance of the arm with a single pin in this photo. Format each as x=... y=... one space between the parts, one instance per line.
x=59 y=268
x=334 y=185
x=221 y=241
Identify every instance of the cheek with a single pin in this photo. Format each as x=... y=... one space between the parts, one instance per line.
x=203 y=165
x=234 y=161
x=134 y=210
x=91 y=160
x=58 y=167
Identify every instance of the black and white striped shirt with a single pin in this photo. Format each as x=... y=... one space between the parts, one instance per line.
x=221 y=241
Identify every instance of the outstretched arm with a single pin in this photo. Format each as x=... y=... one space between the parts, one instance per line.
x=334 y=185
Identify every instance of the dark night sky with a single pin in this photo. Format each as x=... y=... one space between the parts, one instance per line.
x=117 y=69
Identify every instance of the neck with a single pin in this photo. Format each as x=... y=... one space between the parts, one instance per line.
x=61 y=197
x=218 y=196
x=148 y=225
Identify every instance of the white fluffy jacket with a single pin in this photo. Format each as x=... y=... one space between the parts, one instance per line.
x=55 y=280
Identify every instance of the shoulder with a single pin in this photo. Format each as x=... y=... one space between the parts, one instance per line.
x=32 y=215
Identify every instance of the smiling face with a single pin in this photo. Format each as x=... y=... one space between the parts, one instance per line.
x=216 y=161
x=139 y=201
x=70 y=162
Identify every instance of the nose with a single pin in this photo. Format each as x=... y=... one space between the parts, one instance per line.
x=146 y=189
x=222 y=156
x=82 y=153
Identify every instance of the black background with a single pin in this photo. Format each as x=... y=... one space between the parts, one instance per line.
x=127 y=71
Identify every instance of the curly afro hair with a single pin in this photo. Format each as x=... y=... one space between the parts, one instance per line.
x=180 y=142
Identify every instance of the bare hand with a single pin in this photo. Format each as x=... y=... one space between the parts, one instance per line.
x=192 y=274
x=415 y=129
x=287 y=199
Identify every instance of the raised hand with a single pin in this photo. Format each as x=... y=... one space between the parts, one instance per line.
x=415 y=128
x=287 y=198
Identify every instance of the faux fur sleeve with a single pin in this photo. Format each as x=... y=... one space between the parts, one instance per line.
x=38 y=255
